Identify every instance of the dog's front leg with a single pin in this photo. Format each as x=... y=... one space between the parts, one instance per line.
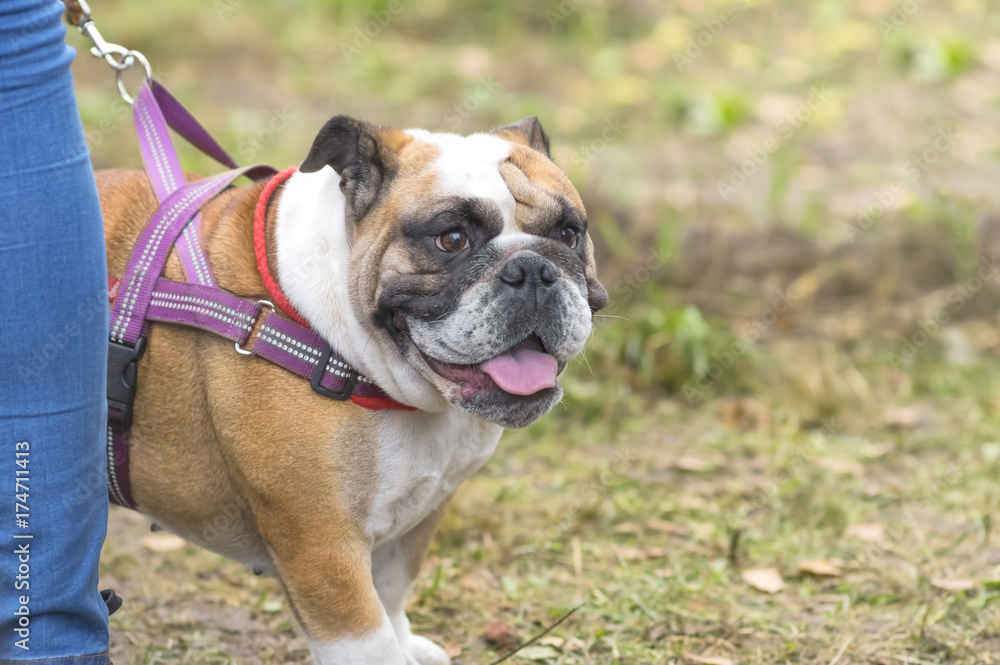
x=324 y=564
x=395 y=565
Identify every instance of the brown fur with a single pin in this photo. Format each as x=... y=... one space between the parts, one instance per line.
x=218 y=433
x=535 y=182
x=412 y=180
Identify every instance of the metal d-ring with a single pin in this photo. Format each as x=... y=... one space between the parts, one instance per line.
x=239 y=349
x=129 y=59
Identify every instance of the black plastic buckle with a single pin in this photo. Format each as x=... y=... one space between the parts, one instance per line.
x=123 y=375
x=350 y=381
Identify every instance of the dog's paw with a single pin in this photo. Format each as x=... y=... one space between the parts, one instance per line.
x=421 y=651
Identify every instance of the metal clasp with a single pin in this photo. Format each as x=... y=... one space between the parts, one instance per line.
x=253 y=324
x=117 y=56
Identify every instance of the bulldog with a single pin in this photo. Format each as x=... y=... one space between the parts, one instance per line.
x=454 y=272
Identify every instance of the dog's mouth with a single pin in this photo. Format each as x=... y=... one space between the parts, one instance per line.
x=524 y=369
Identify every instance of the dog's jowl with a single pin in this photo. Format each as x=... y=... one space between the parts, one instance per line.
x=454 y=273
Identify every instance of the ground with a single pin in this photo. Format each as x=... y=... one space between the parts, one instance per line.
x=782 y=445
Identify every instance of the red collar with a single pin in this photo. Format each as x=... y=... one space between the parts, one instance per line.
x=278 y=297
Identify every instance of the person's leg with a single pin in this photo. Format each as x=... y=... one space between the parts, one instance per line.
x=53 y=348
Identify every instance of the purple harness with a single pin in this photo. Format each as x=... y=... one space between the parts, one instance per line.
x=144 y=296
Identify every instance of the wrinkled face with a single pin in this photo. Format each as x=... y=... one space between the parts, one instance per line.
x=474 y=261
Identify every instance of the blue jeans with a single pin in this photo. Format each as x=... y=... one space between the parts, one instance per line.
x=53 y=349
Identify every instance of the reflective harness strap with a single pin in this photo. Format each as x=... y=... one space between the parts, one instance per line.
x=143 y=295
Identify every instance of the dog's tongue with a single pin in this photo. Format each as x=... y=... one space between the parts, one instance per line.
x=522 y=371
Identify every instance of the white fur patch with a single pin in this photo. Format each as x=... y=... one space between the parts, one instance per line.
x=424 y=455
x=469 y=167
x=379 y=648
x=390 y=570
x=422 y=458
x=313 y=254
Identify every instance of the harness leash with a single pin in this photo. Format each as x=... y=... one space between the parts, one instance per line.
x=142 y=295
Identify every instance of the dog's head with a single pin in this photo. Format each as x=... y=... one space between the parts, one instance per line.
x=470 y=258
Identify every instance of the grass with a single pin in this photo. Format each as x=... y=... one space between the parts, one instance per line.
x=635 y=518
x=711 y=430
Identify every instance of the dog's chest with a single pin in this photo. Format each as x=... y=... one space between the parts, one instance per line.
x=422 y=458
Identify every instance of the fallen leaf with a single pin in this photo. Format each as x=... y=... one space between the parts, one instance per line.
x=764 y=579
x=734 y=412
x=872 y=532
x=909 y=417
x=692 y=463
x=819 y=567
x=691 y=501
x=641 y=553
x=668 y=527
x=452 y=649
x=500 y=634
x=537 y=652
x=708 y=660
x=271 y=607
x=902 y=416
x=876 y=450
x=658 y=632
x=163 y=541
x=564 y=643
x=846 y=467
x=473 y=583
x=953 y=585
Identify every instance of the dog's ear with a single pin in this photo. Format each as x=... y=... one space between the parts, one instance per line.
x=526 y=131
x=364 y=155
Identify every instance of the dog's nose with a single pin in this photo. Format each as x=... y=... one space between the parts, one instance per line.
x=529 y=273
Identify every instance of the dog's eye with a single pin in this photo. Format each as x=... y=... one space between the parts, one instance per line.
x=454 y=240
x=569 y=237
